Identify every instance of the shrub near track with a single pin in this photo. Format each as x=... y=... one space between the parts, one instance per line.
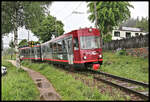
x=65 y=84
x=17 y=85
x=131 y=67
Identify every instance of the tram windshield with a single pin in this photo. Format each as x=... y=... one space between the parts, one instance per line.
x=89 y=42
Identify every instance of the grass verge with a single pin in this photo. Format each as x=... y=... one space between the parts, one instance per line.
x=17 y=85
x=135 y=68
x=65 y=84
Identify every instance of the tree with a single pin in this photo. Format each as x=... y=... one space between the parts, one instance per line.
x=17 y=14
x=109 y=14
x=107 y=38
x=131 y=22
x=23 y=42
x=143 y=24
x=48 y=27
x=12 y=46
x=8 y=51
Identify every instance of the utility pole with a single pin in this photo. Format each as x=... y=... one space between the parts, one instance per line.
x=28 y=35
x=56 y=29
x=12 y=48
x=95 y=14
x=2 y=45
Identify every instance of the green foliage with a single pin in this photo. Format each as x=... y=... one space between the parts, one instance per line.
x=109 y=14
x=30 y=43
x=17 y=14
x=121 y=52
x=11 y=44
x=107 y=38
x=131 y=22
x=8 y=51
x=144 y=24
x=48 y=27
x=17 y=85
x=7 y=25
x=23 y=42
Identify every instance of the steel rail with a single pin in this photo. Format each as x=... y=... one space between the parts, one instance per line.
x=122 y=87
x=121 y=78
x=140 y=94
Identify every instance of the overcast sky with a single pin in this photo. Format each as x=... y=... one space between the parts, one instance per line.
x=63 y=11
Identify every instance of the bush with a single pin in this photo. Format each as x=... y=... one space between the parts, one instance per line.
x=121 y=52
x=107 y=38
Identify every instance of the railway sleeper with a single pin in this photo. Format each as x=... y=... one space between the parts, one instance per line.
x=132 y=87
x=122 y=83
x=145 y=93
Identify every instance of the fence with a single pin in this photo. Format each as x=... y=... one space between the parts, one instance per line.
x=133 y=42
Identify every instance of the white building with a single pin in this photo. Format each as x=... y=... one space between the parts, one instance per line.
x=125 y=32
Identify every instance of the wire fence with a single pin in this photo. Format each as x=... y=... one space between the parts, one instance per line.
x=133 y=42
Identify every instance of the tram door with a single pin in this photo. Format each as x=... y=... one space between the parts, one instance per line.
x=69 y=50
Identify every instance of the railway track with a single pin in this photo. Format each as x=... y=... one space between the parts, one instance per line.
x=139 y=88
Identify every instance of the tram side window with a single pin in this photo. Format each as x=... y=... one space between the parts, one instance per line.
x=59 y=46
x=29 y=52
x=55 y=47
x=35 y=49
x=32 y=51
x=64 y=46
x=76 y=44
x=26 y=51
x=43 y=49
x=38 y=50
x=50 y=46
x=22 y=52
x=47 y=48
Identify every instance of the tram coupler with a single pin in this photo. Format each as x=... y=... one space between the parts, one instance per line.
x=96 y=66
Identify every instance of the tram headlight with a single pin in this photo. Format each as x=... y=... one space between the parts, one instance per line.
x=90 y=30
x=100 y=56
x=84 y=57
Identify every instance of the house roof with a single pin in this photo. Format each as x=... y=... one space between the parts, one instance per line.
x=130 y=29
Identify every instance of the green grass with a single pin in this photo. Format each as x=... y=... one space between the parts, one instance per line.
x=17 y=85
x=135 y=68
x=65 y=84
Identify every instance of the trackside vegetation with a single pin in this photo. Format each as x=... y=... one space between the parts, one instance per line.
x=65 y=84
x=120 y=64
x=17 y=85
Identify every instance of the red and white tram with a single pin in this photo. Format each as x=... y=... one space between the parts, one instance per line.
x=79 y=48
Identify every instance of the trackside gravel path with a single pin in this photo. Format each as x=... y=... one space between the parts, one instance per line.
x=47 y=92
